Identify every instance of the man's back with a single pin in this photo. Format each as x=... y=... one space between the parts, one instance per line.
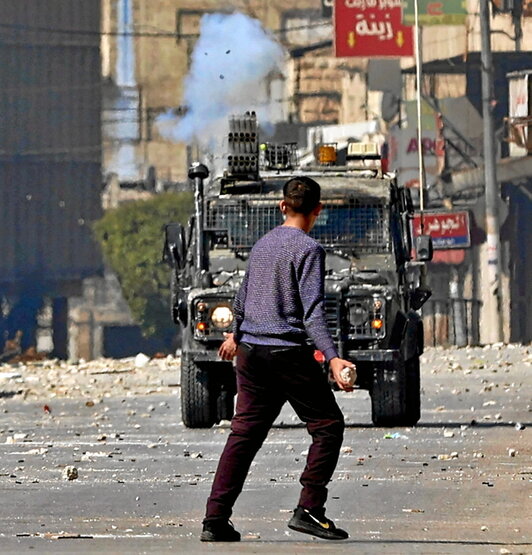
x=282 y=297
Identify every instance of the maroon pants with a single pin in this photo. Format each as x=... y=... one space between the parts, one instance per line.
x=267 y=377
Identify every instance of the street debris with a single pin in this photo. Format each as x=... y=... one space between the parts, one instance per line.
x=395 y=435
x=70 y=473
x=141 y=360
x=448 y=457
x=10 y=375
x=92 y=381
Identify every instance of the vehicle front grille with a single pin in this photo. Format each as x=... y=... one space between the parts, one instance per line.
x=361 y=313
x=332 y=315
x=352 y=318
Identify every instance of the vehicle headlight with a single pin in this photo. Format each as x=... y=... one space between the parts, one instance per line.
x=358 y=314
x=222 y=317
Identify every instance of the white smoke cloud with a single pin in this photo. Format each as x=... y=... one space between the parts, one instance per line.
x=232 y=57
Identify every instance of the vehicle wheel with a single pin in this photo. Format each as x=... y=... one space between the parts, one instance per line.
x=225 y=405
x=388 y=399
x=413 y=391
x=197 y=400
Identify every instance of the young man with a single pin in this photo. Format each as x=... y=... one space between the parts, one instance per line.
x=279 y=306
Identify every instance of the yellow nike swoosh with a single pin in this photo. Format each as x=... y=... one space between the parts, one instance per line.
x=322 y=524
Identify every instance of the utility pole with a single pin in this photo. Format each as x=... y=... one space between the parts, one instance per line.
x=419 y=83
x=494 y=306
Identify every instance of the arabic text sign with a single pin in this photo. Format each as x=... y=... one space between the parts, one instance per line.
x=371 y=28
x=449 y=230
x=431 y=12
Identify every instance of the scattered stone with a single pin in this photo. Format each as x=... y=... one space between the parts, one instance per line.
x=512 y=452
x=9 y=375
x=141 y=360
x=448 y=433
x=37 y=451
x=448 y=457
x=70 y=473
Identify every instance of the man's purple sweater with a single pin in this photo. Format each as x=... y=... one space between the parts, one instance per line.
x=281 y=300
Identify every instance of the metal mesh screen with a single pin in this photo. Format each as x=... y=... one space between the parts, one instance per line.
x=363 y=227
x=360 y=226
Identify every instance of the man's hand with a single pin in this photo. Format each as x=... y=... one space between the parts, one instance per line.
x=337 y=365
x=227 y=350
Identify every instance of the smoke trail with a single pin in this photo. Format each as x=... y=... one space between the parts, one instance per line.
x=233 y=56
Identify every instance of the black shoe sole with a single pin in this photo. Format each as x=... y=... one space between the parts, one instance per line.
x=210 y=537
x=315 y=531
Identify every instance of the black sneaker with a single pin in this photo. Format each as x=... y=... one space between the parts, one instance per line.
x=219 y=530
x=315 y=522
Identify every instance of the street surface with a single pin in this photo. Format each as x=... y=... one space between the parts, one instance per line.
x=459 y=482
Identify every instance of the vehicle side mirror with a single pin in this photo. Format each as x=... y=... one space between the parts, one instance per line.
x=419 y=296
x=424 y=249
x=175 y=247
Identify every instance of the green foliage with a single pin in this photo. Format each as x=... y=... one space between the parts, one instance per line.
x=132 y=237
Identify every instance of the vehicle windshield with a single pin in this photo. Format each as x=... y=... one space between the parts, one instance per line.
x=362 y=227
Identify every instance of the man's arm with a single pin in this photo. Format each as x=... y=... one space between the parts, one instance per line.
x=311 y=292
x=238 y=307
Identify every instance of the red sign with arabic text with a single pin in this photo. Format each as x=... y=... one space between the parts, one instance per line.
x=371 y=29
x=449 y=230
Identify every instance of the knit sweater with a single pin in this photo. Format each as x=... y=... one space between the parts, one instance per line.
x=281 y=299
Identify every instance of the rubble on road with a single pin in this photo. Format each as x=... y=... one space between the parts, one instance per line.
x=93 y=381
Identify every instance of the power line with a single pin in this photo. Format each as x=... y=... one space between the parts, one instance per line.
x=155 y=34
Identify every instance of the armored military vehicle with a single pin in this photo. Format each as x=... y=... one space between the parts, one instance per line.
x=373 y=287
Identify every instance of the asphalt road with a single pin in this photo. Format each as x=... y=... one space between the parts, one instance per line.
x=459 y=482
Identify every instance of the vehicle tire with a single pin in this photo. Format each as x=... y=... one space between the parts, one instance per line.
x=413 y=392
x=198 y=407
x=225 y=405
x=388 y=399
